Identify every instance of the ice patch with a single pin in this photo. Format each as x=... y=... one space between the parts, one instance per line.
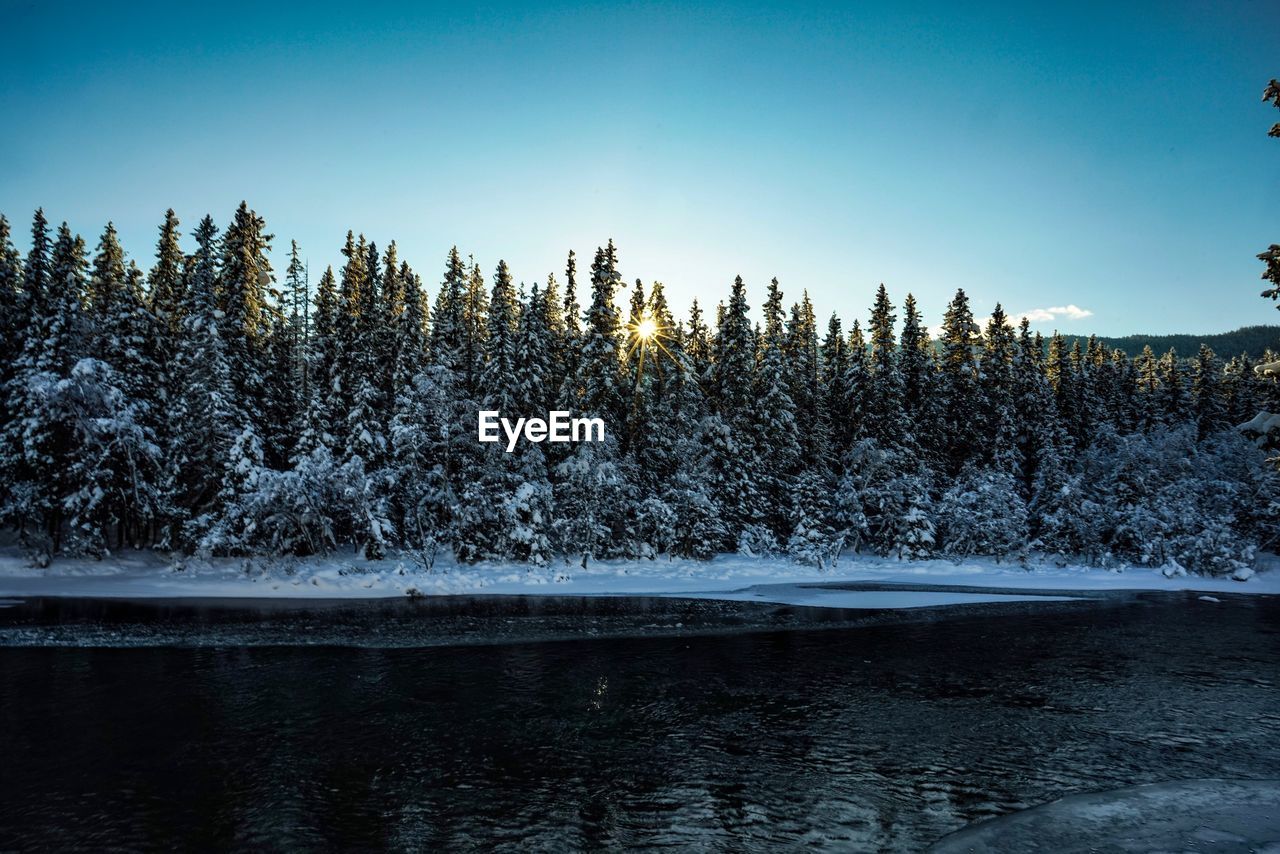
x=346 y=575
x=1226 y=816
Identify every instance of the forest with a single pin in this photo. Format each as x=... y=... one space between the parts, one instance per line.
x=1254 y=340
x=209 y=405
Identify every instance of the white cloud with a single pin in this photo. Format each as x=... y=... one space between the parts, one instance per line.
x=1047 y=315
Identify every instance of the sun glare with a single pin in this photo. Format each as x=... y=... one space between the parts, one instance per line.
x=646 y=329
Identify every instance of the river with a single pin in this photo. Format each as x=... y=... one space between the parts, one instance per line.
x=162 y=726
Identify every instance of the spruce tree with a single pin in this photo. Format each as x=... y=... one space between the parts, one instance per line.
x=1207 y=397
x=915 y=360
x=835 y=391
x=958 y=382
x=166 y=283
x=205 y=419
x=885 y=420
x=244 y=283
x=998 y=392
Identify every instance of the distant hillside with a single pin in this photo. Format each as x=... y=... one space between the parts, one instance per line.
x=1253 y=340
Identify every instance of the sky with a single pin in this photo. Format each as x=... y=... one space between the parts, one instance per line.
x=1101 y=167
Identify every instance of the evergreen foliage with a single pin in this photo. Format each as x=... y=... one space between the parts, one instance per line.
x=199 y=408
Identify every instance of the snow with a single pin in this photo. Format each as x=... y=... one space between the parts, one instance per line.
x=827 y=597
x=1189 y=815
x=147 y=574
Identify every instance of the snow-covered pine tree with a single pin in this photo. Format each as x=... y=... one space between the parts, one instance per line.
x=475 y=308
x=1086 y=404
x=128 y=399
x=813 y=540
x=447 y=330
x=390 y=305
x=167 y=300
x=1174 y=402
x=800 y=358
x=363 y=455
x=243 y=290
x=916 y=364
x=1121 y=393
x=1063 y=380
x=698 y=348
x=734 y=365
x=572 y=314
x=204 y=418
x=1240 y=390
x=835 y=391
x=858 y=384
x=776 y=431
x=590 y=486
x=998 y=390
x=297 y=295
x=1146 y=393
x=410 y=329
x=43 y=439
x=885 y=419
x=732 y=466
x=527 y=508
x=13 y=331
x=166 y=284
x=321 y=408
x=492 y=477
x=958 y=382
x=982 y=514
x=1207 y=398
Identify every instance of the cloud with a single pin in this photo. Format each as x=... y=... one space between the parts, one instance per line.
x=1046 y=315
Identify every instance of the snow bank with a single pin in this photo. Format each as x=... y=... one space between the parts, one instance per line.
x=149 y=575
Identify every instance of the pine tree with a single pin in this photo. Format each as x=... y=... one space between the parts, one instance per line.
x=885 y=420
x=448 y=332
x=475 y=325
x=591 y=485
x=1175 y=398
x=599 y=371
x=1207 y=398
x=836 y=396
x=297 y=294
x=167 y=285
x=997 y=395
x=1063 y=380
x=1147 y=392
x=958 y=383
x=44 y=440
x=125 y=470
x=499 y=380
x=735 y=358
x=916 y=366
x=205 y=419
x=803 y=375
x=858 y=384
x=13 y=331
x=776 y=429
x=244 y=282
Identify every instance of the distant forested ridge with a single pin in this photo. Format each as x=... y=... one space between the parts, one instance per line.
x=1253 y=340
x=206 y=404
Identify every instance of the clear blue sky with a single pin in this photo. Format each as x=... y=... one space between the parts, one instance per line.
x=1108 y=156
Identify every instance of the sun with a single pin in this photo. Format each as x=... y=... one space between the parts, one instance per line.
x=646 y=329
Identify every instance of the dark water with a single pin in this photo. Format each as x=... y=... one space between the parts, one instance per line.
x=873 y=737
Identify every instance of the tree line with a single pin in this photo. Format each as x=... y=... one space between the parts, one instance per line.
x=206 y=405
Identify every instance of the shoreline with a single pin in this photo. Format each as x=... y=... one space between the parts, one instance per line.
x=151 y=575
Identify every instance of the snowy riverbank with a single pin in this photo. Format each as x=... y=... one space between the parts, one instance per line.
x=152 y=575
